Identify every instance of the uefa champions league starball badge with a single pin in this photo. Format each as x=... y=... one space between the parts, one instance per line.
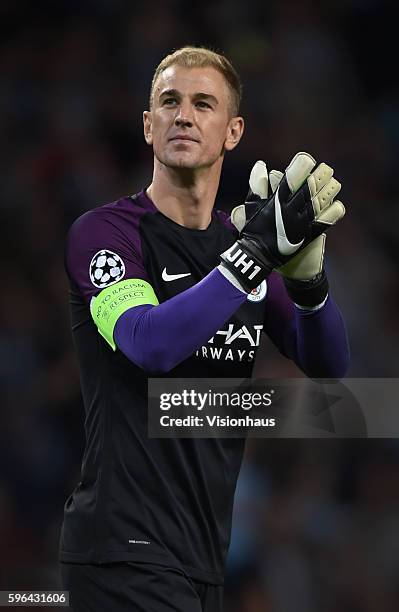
x=259 y=293
x=106 y=268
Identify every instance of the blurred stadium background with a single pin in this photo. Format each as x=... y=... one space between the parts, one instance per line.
x=316 y=522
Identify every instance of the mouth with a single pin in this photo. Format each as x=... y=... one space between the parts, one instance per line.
x=183 y=138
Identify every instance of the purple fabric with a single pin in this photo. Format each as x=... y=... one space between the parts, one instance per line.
x=319 y=341
x=280 y=314
x=315 y=340
x=113 y=227
x=157 y=338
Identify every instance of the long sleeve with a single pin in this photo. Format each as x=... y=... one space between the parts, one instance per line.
x=315 y=340
x=157 y=338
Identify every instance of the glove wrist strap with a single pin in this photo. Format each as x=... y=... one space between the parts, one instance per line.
x=246 y=262
x=310 y=292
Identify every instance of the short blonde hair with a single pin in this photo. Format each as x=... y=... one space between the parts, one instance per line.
x=200 y=57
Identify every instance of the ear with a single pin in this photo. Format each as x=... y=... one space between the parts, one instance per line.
x=235 y=130
x=147 y=122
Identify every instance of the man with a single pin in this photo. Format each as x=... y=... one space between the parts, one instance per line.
x=161 y=283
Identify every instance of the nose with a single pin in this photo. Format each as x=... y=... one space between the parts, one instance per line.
x=184 y=116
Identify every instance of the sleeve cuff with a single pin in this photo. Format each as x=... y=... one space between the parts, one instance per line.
x=308 y=294
x=312 y=308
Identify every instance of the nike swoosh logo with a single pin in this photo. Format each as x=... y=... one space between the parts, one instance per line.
x=283 y=244
x=171 y=277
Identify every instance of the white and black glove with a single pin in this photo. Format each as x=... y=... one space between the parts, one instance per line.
x=275 y=229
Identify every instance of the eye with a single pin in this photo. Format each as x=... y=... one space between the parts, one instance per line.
x=169 y=102
x=202 y=104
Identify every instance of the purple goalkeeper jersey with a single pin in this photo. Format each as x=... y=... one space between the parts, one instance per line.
x=167 y=501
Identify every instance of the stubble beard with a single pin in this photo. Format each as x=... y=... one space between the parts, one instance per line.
x=186 y=162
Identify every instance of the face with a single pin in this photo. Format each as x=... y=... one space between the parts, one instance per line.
x=189 y=125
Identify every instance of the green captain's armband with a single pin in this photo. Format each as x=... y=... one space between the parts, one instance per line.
x=113 y=301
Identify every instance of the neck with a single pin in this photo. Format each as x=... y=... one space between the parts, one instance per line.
x=186 y=196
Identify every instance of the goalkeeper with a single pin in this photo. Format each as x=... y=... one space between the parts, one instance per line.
x=162 y=283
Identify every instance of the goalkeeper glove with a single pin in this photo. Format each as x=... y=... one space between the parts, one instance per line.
x=304 y=276
x=273 y=230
